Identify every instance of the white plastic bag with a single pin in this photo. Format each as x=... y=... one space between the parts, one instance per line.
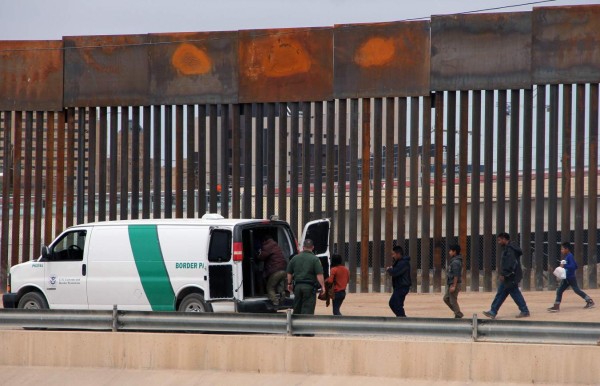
x=560 y=273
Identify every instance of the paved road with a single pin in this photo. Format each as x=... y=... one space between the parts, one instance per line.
x=432 y=306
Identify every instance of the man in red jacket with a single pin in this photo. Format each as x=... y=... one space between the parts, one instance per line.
x=275 y=265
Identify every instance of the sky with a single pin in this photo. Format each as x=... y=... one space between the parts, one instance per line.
x=51 y=20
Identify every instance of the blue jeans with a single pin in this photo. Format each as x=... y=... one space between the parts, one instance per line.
x=564 y=284
x=503 y=292
x=397 y=301
x=338 y=299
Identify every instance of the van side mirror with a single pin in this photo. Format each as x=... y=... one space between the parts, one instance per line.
x=45 y=252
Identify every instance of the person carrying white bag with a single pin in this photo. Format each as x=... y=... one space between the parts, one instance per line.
x=567 y=269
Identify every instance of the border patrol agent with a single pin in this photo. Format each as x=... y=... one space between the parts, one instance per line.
x=305 y=274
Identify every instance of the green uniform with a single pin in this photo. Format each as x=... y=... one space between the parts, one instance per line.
x=304 y=267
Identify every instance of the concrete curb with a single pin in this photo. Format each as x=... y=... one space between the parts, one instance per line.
x=335 y=356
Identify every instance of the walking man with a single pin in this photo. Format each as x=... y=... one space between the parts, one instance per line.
x=304 y=275
x=569 y=264
x=400 y=273
x=454 y=279
x=509 y=278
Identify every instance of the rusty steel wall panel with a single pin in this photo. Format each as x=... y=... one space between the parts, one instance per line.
x=475 y=253
x=191 y=171
x=283 y=154
x=286 y=65
x=135 y=160
x=592 y=223
x=193 y=67
x=382 y=60
x=179 y=187
x=106 y=71
x=553 y=161
x=501 y=161
x=225 y=159
x=378 y=134
x=6 y=130
x=481 y=52
x=342 y=167
x=438 y=182
x=146 y=167
x=426 y=195
x=124 y=163
x=40 y=142
x=365 y=194
x=27 y=186
x=565 y=46
x=92 y=172
x=413 y=209
x=50 y=187
x=16 y=185
x=31 y=75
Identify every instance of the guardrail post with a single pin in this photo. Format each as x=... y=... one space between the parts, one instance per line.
x=474 y=324
x=288 y=322
x=115 y=319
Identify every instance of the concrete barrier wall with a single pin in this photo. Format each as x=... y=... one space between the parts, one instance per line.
x=424 y=360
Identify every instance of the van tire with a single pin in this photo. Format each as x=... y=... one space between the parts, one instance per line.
x=33 y=301
x=194 y=303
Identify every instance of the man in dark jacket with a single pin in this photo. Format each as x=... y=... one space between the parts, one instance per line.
x=400 y=273
x=275 y=265
x=511 y=274
x=454 y=280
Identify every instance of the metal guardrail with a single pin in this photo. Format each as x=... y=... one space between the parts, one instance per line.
x=288 y=324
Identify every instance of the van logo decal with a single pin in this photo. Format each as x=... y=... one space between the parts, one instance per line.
x=151 y=267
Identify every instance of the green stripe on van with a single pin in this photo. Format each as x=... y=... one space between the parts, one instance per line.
x=151 y=267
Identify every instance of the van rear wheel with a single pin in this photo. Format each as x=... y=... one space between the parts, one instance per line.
x=194 y=303
x=33 y=301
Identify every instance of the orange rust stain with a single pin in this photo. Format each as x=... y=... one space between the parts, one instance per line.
x=277 y=59
x=375 y=52
x=191 y=60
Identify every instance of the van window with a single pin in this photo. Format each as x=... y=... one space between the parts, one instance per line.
x=70 y=247
x=219 y=250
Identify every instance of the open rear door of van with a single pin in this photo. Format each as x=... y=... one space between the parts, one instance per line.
x=318 y=232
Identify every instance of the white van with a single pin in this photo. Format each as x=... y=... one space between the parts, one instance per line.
x=201 y=265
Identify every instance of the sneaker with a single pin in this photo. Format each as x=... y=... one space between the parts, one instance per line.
x=523 y=315
x=489 y=314
x=589 y=304
x=554 y=308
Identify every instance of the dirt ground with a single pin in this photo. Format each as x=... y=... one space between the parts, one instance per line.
x=430 y=305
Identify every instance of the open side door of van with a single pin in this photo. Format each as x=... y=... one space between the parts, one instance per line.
x=318 y=232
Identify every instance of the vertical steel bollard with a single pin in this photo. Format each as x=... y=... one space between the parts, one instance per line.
x=288 y=322
x=475 y=333
x=115 y=319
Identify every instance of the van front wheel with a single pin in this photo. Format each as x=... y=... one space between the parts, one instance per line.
x=194 y=303
x=33 y=301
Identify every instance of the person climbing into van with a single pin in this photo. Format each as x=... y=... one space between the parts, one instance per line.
x=338 y=278
x=304 y=275
x=275 y=265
